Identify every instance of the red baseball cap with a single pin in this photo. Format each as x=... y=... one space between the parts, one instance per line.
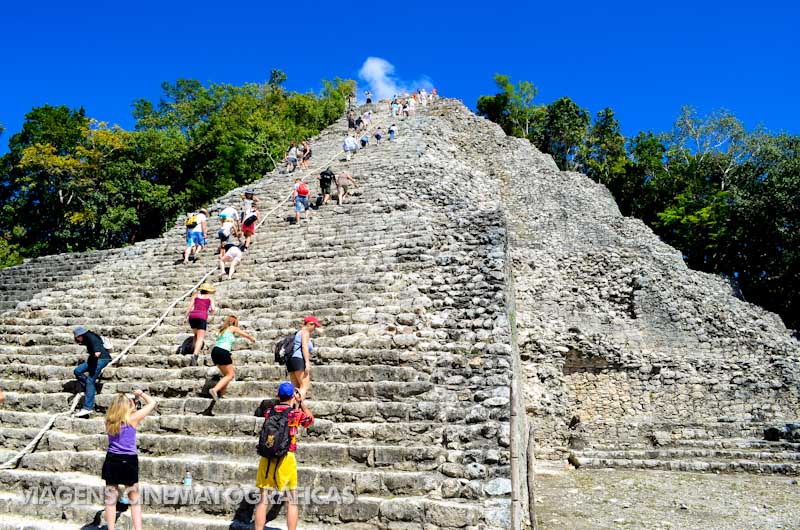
x=311 y=319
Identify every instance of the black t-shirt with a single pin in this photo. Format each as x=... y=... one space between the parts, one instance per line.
x=326 y=177
x=93 y=345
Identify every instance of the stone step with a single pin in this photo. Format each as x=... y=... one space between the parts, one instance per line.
x=699 y=466
x=166 y=357
x=353 y=453
x=691 y=454
x=173 y=507
x=344 y=392
x=209 y=469
x=372 y=411
x=714 y=443
x=274 y=372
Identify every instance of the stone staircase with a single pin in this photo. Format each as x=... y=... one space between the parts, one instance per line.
x=410 y=379
x=711 y=446
x=620 y=356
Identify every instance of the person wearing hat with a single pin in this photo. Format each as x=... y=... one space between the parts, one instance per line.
x=196 y=235
x=280 y=474
x=299 y=364
x=88 y=373
x=197 y=315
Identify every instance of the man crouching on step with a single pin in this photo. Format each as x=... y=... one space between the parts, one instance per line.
x=277 y=470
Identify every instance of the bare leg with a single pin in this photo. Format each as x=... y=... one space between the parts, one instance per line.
x=199 y=337
x=228 y=374
x=136 y=506
x=112 y=494
x=292 y=511
x=232 y=268
x=261 y=511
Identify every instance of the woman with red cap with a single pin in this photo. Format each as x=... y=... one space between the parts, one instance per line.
x=299 y=364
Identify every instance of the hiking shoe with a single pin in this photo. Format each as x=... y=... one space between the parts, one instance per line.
x=193 y=361
x=213 y=394
x=83 y=413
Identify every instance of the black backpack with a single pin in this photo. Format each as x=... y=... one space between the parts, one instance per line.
x=284 y=349
x=274 y=440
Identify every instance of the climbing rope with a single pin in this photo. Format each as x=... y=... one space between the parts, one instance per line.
x=14 y=461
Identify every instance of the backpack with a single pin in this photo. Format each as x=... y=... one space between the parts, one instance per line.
x=107 y=343
x=302 y=189
x=274 y=440
x=191 y=221
x=284 y=349
x=223 y=234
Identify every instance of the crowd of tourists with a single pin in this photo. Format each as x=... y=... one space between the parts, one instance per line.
x=277 y=469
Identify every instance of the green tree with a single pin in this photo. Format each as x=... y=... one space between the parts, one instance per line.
x=513 y=108
x=603 y=156
x=564 y=131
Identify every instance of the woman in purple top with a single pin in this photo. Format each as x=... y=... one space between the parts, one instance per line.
x=122 y=461
x=197 y=316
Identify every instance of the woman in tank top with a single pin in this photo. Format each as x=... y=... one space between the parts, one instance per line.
x=221 y=354
x=121 y=466
x=299 y=364
x=197 y=316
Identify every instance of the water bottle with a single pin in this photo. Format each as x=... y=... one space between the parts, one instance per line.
x=125 y=499
x=187 y=480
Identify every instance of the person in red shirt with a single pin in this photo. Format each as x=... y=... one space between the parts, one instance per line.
x=280 y=474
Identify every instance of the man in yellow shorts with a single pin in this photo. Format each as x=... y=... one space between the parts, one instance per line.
x=280 y=473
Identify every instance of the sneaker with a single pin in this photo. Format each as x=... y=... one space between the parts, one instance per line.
x=83 y=413
x=193 y=361
x=214 y=395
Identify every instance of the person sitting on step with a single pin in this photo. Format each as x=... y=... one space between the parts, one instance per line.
x=89 y=372
x=280 y=473
x=221 y=354
x=121 y=466
x=201 y=304
x=299 y=364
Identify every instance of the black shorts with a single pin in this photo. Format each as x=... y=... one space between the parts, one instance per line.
x=296 y=364
x=325 y=186
x=307 y=156
x=121 y=469
x=198 y=323
x=221 y=356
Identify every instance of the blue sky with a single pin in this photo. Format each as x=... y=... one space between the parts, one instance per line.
x=642 y=59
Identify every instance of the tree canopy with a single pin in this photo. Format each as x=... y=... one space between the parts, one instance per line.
x=70 y=182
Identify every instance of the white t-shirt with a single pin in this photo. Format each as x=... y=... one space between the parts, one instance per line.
x=229 y=212
x=201 y=218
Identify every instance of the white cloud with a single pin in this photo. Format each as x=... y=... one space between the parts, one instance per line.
x=379 y=76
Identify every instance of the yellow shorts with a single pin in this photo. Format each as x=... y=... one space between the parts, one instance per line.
x=277 y=473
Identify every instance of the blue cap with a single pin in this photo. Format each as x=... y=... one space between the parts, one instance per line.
x=286 y=390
